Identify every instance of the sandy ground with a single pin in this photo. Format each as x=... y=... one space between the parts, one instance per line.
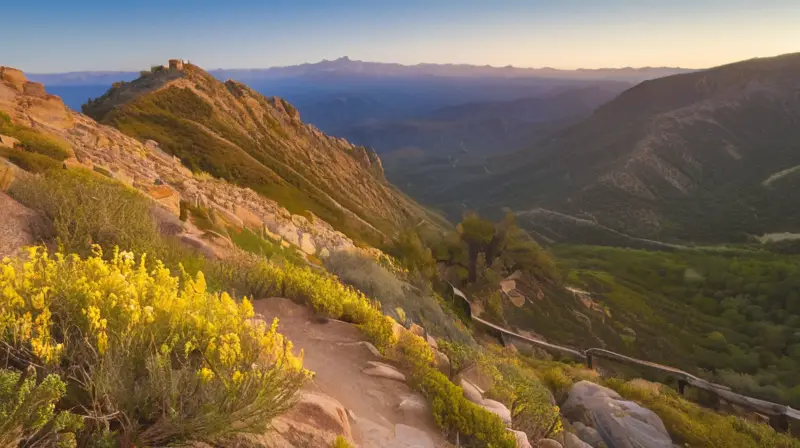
x=332 y=351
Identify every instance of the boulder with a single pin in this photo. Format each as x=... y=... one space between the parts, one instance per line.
x=14 y=77
x=521 y=438
x=166 y=196
x=497 y=408
x=314 y=421
x=250 y=219
x=548 y=443
x=8 y=141
x=573 y=441
x=442 y=362
x=307 y=244
x=34 y=89
x=619 y=423
x=587 y=434
x=432 y=342
x=381 y=370
x=471 y=392
x=417 y=330
x=414 y=407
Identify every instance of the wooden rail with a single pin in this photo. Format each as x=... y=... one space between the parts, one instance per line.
x=781 y=417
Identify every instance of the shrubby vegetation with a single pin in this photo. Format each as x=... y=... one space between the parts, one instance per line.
x=34 y=141
x=730 y=316
x=152 y=358
x=693 y=425
x=420 y=303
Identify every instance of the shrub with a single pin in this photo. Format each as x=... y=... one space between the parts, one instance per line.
x=29 y=161
x=374 y=280
x=693 y=425
x=27 y=411
x=83 y=209
x=341 y=442
x=461 y=356
x=152 y=358
x=34 y=141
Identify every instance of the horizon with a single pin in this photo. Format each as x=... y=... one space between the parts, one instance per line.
x=92 y=35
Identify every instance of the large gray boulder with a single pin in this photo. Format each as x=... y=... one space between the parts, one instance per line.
x=620 y=423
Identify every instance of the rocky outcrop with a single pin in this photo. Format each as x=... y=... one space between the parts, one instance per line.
x=161 y=176
x=619 y=423
x=15 y=222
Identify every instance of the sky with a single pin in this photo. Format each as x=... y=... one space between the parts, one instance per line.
x=45 y=36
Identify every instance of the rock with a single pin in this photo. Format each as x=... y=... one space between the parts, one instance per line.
x=314 y=421
x=471 y=392
x=497 y=408
x=166 y=196
x=587 y=434
x=198 y=244
x=573 y=441
x=408 y=437
x=228 y=217
x=379 y=369
x=248 y=218
x=307 y=244
x=34 y=89
x=324 y=253
x=414 y=407
x=14 y=77
x=549 y=443
x=432 y=342
x=619 y=423
x=521 y=438
x=417 y=330
x=8 y=141
x=15 y=221
x=442 y=362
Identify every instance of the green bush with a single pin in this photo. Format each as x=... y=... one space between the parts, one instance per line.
x=693 y=425
x=150 y=358
x=29 y=161
x=27 y=411
x=82 y=209
x=34 y=141
x=377 y=282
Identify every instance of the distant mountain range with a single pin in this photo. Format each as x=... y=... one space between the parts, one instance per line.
x=345 y=66
x=708 y=156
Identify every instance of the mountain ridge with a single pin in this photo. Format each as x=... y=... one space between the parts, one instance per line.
x=237 y=134
x=679 y=158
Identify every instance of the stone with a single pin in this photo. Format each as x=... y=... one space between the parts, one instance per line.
x=381 y=370
x=409 y=437
x=307 y=244
x=228 y=217
x=548 y=443
x=166 y=196
x=314 y=421
x=8 y=141
x=14 y=77
x=414 y=407
x=249 y=219
x=619 y=423
x=521 y=438
x=324 y=253
x=34 y=89
x=442 y=362
x=573 y=441
x=417 y=330
x=587 y=434
x=497 y=408
x=432 y=342
x=471 y=392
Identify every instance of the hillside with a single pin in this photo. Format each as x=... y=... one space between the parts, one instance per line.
x=706 y=156
x=234 y=133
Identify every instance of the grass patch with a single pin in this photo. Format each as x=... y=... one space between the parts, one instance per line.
x=29 y=161
x=34 y=141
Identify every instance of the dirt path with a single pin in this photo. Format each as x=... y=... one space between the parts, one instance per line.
x=333 y=352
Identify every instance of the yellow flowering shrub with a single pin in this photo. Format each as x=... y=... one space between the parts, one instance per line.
x=165 y=356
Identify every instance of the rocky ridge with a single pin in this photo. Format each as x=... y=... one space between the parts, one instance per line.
x=235 y=133
x=147 y=168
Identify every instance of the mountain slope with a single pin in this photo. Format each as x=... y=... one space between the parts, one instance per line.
x=234 y=133
x=706 y=156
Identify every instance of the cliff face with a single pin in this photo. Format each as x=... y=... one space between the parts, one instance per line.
x=235 y=133
x=146 y=167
